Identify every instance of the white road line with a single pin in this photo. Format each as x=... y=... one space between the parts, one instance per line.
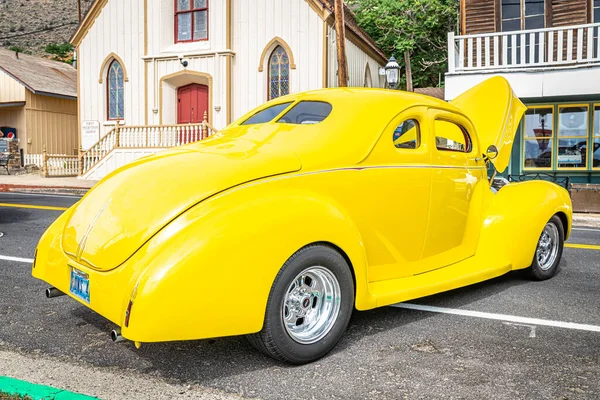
x=17 y=259
x=74 y=196
x=500 y=317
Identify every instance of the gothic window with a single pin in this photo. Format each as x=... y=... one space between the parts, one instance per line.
x=115 y=89
x=279 y=73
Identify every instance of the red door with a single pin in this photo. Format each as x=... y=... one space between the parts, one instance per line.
x=192 y=102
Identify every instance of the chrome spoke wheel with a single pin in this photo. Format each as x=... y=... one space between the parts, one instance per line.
x=548 y=247
x=311 y=305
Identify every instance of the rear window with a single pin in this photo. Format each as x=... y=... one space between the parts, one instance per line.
x=307 y=112
x=267 y=114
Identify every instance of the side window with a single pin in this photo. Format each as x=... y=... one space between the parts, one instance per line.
x=307 y=113
x=451 y=137
x=407 y=135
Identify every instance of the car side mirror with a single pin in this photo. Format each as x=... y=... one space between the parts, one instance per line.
x=491 y=152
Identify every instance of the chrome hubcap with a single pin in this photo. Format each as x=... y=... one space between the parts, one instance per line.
x=311 y=305
x=547 y=248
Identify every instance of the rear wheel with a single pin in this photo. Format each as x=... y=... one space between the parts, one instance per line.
x=309 y=306
x=548 y=251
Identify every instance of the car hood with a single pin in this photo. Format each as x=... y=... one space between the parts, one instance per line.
x=495 y=112
x=129 y=206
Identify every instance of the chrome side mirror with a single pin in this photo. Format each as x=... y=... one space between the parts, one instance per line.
x=491 y=152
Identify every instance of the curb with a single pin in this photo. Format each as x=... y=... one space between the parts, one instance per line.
x=32 y=391
x=75 y=191
x=586 y=220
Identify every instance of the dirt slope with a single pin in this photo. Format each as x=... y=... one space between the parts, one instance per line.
x=21 y=19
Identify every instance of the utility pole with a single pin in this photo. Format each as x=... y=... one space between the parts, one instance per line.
x=409 y=82
x=340 y=33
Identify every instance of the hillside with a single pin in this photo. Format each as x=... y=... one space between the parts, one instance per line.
x=33 y=24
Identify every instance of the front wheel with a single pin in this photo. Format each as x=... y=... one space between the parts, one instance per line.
x=548 y=251
x=309 y=306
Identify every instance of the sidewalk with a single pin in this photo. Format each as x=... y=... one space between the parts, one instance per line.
x=586 y=220
x=33 y=183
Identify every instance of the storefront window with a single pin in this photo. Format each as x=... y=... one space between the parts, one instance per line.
x=573 y=136
x=537 y=140
x=596 y=147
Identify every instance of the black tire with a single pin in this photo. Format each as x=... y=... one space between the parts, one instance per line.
x=274 y=339
x=539 y=270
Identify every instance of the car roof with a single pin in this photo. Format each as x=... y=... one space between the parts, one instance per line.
x=345 y=137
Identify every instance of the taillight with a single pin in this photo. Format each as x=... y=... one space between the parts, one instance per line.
x=128 y=313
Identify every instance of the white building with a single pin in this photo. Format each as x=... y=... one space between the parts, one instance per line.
x=154 y=64
x=549 y=51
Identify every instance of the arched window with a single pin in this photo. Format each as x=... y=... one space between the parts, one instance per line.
x=115 y=91
x=279 y=73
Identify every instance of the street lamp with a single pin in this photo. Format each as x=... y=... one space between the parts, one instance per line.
x=392 y=73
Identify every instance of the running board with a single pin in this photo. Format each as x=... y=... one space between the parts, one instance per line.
x=461 y=274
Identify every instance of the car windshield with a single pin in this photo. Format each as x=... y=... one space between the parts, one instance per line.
x=267 y=114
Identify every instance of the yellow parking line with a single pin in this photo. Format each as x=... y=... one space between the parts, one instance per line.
x=32 y=206
x=582 y=246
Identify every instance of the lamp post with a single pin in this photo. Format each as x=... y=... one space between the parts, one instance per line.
x=392 y=73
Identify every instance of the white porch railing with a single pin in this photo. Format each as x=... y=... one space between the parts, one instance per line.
x=160 y=136
x=533 y=49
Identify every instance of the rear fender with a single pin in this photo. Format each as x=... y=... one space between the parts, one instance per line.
x=515 y=217
x=209 y=272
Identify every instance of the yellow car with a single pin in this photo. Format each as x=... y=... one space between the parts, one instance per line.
x=308 y=207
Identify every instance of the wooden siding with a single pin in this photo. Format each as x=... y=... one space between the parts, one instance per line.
x=256 y=23
x=569 y=12
x=119 y=29
x=478 y=16
x=11 y=90
x=484 y=16
x=50 y=121
x=357 y=63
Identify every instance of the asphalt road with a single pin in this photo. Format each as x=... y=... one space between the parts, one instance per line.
x=386 y=353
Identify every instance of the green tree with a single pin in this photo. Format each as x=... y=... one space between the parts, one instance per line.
x=418 y=27
x=61 y=52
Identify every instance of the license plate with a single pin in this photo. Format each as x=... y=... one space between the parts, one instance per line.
x=80 y=284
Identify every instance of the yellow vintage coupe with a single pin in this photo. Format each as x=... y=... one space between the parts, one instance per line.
x=307 y=207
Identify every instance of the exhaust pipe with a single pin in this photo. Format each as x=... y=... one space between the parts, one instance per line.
x=115 y=336
x=53 y=292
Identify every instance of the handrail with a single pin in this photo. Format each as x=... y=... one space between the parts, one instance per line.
x=101 y=139
x=143 y=136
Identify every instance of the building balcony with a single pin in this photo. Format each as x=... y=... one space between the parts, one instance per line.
x=550 y=62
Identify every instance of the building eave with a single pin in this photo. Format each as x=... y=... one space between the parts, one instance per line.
x=87 y=22
x=12 y=104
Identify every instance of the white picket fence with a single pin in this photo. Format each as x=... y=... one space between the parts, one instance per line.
x=34 y=159
x=56 y=164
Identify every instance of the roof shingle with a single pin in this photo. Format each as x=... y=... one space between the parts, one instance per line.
x=40 y=75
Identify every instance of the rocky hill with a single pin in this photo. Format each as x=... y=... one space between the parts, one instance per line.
x=33 y=24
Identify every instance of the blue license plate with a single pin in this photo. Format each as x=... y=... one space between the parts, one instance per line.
x=80 y=284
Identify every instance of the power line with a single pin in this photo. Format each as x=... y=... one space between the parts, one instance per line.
x=39 y=30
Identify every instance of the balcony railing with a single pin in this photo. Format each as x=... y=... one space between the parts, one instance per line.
x=530 y=49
